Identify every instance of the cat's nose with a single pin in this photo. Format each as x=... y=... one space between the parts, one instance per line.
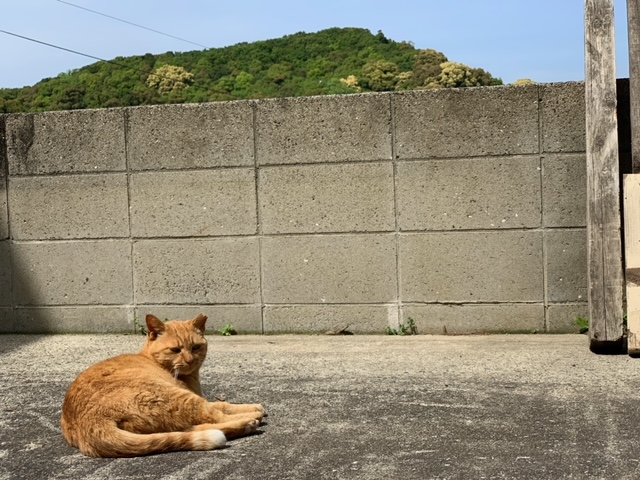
x=188 y=358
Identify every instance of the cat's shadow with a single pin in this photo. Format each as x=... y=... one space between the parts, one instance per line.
x=230 y=443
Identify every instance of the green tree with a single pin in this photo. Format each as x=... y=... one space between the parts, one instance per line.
x=427 y=67
x=278 y=73
x=70 y=98
x=243 y=84
x=225 y=84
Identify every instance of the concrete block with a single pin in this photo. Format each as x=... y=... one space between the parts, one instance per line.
x=327 y=198
x=6 y=320
x=564 y=190
x=191 y=136
x=6 y=296
x=222 y=271
x=245 y=319
x=466 y=122
x=562 y=318
x=65 y=207
x=471 y=267
x=322 y=318
x=566 y=265
x=72 y=273
x=4 y=213
x=203 y=203
x=483 y=193
x=468 y=319
x=562 y=117
x=73 y=320
x=323 y=129
x=60 y=142
x=329 y=269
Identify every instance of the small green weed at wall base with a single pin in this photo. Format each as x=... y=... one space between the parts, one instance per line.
x=138 y=327
x=404 y=329
x=583 y=324
x=227 y=330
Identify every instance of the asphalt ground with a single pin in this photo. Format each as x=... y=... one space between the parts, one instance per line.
x=361 y=407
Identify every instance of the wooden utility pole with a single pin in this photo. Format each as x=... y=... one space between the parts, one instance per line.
x=605 y=276
x=632 y=186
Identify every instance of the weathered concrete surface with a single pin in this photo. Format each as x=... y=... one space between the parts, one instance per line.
x=564 y=187
x=4 y=213
x=327 y=198
x=429 y=273
x=197 y=136
x=455 y=123
x=462 y=208
x=336 y=128
x=65 y=142
x=329 y=269
x=468 y=198
x=567 y=264
x=98 y=274
x=365 y=407
x=563 y=129
x=87 y=206
x=207 y=271
x=193 y=203
x=5 y=274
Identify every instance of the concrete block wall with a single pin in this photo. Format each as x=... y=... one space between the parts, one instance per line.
x=462 y=209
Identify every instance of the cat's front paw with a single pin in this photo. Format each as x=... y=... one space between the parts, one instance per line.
x=251 y=426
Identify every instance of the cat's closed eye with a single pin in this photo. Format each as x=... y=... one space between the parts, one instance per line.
x=176 y=349
x=195 y=348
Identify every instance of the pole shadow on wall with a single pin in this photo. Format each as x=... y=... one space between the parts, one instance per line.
x=12 y=274
x=7 y=310
x=6 y=290
x=624 y=128
x=625 y=159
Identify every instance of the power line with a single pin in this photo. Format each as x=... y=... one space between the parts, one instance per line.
x=60 y=48
x=131 y=23
x=113 y=62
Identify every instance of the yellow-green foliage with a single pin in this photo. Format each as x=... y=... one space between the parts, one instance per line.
x=458 y=75
x=169 y=78
x=352 y=82
x=380 y=75
x=524 y=81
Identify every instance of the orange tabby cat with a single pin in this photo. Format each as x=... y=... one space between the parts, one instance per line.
x=151 y=402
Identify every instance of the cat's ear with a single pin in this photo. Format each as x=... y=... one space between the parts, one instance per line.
x=155 y=326
x=199 y=322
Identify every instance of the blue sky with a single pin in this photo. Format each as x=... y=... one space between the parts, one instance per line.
x=542 y=40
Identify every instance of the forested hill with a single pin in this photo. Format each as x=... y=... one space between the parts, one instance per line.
x=333 y=61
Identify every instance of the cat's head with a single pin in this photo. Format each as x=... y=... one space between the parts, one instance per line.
x=178 y=346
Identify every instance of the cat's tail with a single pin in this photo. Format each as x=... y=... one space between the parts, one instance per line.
x=115 y=442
